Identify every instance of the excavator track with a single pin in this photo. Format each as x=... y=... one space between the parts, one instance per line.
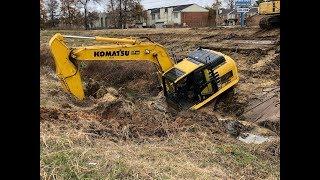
x=270 y=22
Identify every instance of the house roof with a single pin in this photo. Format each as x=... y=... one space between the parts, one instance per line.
x=225 y=11
x=155 y=10
x=181 y=7
x=175 y=8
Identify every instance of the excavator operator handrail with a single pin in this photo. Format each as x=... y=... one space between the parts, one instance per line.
x=104 y=39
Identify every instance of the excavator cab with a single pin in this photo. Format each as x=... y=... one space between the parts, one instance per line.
x=199 y=77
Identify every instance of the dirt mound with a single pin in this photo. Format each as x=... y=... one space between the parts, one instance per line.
x=254 y=20
x=135 y=77
x=116 y=116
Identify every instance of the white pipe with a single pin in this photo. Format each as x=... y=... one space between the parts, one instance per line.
x=78 y=37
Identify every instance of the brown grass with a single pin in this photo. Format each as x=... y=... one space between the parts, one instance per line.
x=45 y=56
x=68 y=151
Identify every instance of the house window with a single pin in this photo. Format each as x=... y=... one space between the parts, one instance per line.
x=158 y=16
x=175 y=15
x=153 y=16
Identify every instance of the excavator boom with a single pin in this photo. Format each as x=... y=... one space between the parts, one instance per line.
x=125 y=49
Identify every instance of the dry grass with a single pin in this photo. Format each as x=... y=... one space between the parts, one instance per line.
x=79 y=155
x=68 y=152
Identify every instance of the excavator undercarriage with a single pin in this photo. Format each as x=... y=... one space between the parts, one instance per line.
x=270 y=22
x=270 y=9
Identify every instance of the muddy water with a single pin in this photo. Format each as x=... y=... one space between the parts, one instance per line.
x=256 y=139
x=262 y=42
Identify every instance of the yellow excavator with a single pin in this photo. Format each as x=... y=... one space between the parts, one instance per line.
x=190 y=83
x=271 y=10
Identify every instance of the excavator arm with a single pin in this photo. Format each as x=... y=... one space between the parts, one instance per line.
x=125 y=49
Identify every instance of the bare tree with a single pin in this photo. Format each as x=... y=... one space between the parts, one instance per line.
x=133 y=11
x=112 y=5
x=120 y=25
x=43 y=14
x=216 y=4
x=69 y=13
x=230 y=4
x=84 y=4
x=53 y=12
x=124 y=12
x=92 y=16
x=113 y=15
x=138 y=12
x=212 y=15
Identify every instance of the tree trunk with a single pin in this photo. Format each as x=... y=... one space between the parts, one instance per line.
x=113 y=16
x=125 y=15
x=85 y=16
x=120 y=14
x=52 y=19
x=69 y=17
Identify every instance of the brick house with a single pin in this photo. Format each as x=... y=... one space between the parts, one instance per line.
x=188 y=15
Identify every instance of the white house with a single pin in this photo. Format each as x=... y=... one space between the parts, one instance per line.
x=101 y=22
x=190 y=15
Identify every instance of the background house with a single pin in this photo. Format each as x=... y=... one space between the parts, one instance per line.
x=222 y=16
x=105 y=21
x=190 y=15
x=233 y=18
x=101 y=22
x=230 y=17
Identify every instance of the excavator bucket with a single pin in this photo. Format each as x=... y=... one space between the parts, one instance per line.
x=66 y=70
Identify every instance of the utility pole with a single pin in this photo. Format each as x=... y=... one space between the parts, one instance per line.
x=242 y=19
